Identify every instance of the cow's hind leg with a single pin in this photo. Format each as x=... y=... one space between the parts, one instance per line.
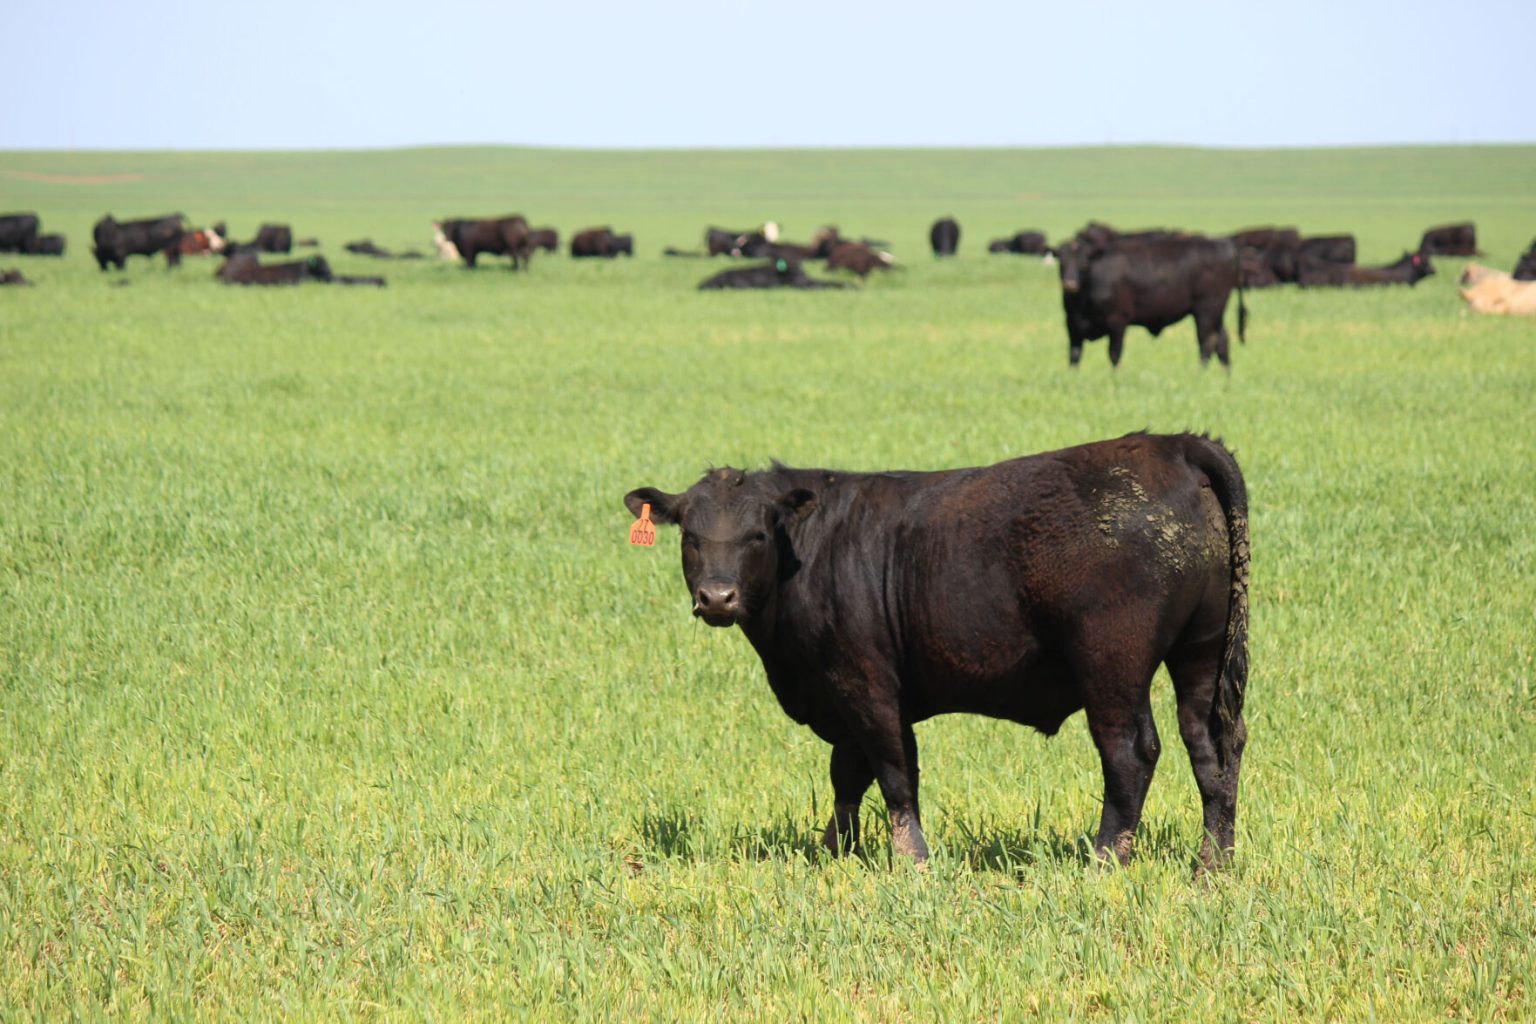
x=851 y=776
x=1195 y=672
x=1117 y=685
x=890 y=747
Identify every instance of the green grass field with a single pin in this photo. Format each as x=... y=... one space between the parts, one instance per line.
x=329 y=686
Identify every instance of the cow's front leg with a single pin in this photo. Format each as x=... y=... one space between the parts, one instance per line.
x=851 y=776
x=893 y=753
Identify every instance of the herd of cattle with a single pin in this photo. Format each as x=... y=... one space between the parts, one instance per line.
x=1110 y=280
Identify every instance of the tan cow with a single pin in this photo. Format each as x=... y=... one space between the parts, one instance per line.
x=1494 y=291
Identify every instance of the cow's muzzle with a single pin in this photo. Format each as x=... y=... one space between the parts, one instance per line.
x=718 y=602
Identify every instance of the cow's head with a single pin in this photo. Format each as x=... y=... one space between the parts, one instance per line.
x=1073 y=257
x=318 y=268
x=736 y=547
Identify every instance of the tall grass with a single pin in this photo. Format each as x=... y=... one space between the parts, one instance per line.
x=330 y=687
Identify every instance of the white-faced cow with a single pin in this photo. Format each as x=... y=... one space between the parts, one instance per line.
x=1027 y=591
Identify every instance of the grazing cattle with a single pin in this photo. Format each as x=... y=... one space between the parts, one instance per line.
x=1493 y=291
x=944 y=236
x=14 y=277
x=1022 y=243
x=1450 y=240
x=46 y=245
x=18 y=231
x=1026 y=591
x=1410 y=268
x=1151 y=283
x=243 y=268
x=498 y=236
x=117 y=240
x=1326 y=249
x=859 y=258
x=1525 y=269
x=781 y=273
x=201 y=242
x=275 y=238
x=601 y=243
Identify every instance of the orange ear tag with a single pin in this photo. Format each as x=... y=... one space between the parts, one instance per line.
x=643 y=533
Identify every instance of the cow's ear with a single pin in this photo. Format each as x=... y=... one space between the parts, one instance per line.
x=797 y=504
x=663 y=505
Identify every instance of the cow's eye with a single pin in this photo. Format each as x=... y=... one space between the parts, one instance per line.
x=759 y=537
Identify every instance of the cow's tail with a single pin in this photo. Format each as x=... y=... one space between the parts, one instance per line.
x=1213 y=459
x=1242 y=307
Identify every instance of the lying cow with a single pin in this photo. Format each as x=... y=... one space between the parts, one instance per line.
x=18 y=231
x=1026 y=590
x=1021 y=243
x=859 y=258
x=496 y=236
x=243 y=268
x=601 y=243
x=201 y=242
x=117 y=240
x=1450 y=240
x=14 y=277
x=1525 y=269
x=944 y=236
x=1410 y=268
x=1152 y=283
x=46 y=245
x=1493 y=291
x=781 y=273
x=547 y=239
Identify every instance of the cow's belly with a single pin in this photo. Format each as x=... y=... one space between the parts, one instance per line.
x=1038 y=690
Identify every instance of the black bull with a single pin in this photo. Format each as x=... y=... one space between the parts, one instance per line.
x=1150 y=282
x=1026 y=591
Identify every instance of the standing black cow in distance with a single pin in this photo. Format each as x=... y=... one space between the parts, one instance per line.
x=498 y=236
x=944 y=236
x=1150 y=282
x=1026 y=591
x=1267 y=256
x=547 y=239
x=1326 y=249
x=117 y=240
x=601 y=243
x=18 y=231
x=780 y=273
x=1450 y=240
x=1410 y=268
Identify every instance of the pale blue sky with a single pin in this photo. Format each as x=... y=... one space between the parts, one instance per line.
x=298 y=75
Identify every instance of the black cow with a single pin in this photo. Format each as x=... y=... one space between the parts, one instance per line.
x=1410 y=268
x=547 y=239
x=1450 y=240
x=1027 y=591
x=781 y=273
x=243 y=268
x=1267 y=256
x=720 y=241
x=274 y=238
x=1525 y=269
x=18 y=231
x=14 y=277
x=944 y=236
x=498 y=236
x=1327 y=249
x=1022 y=243
x=1153 y=283
x=46 y=245
x=601 y=243
x=117 y=240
